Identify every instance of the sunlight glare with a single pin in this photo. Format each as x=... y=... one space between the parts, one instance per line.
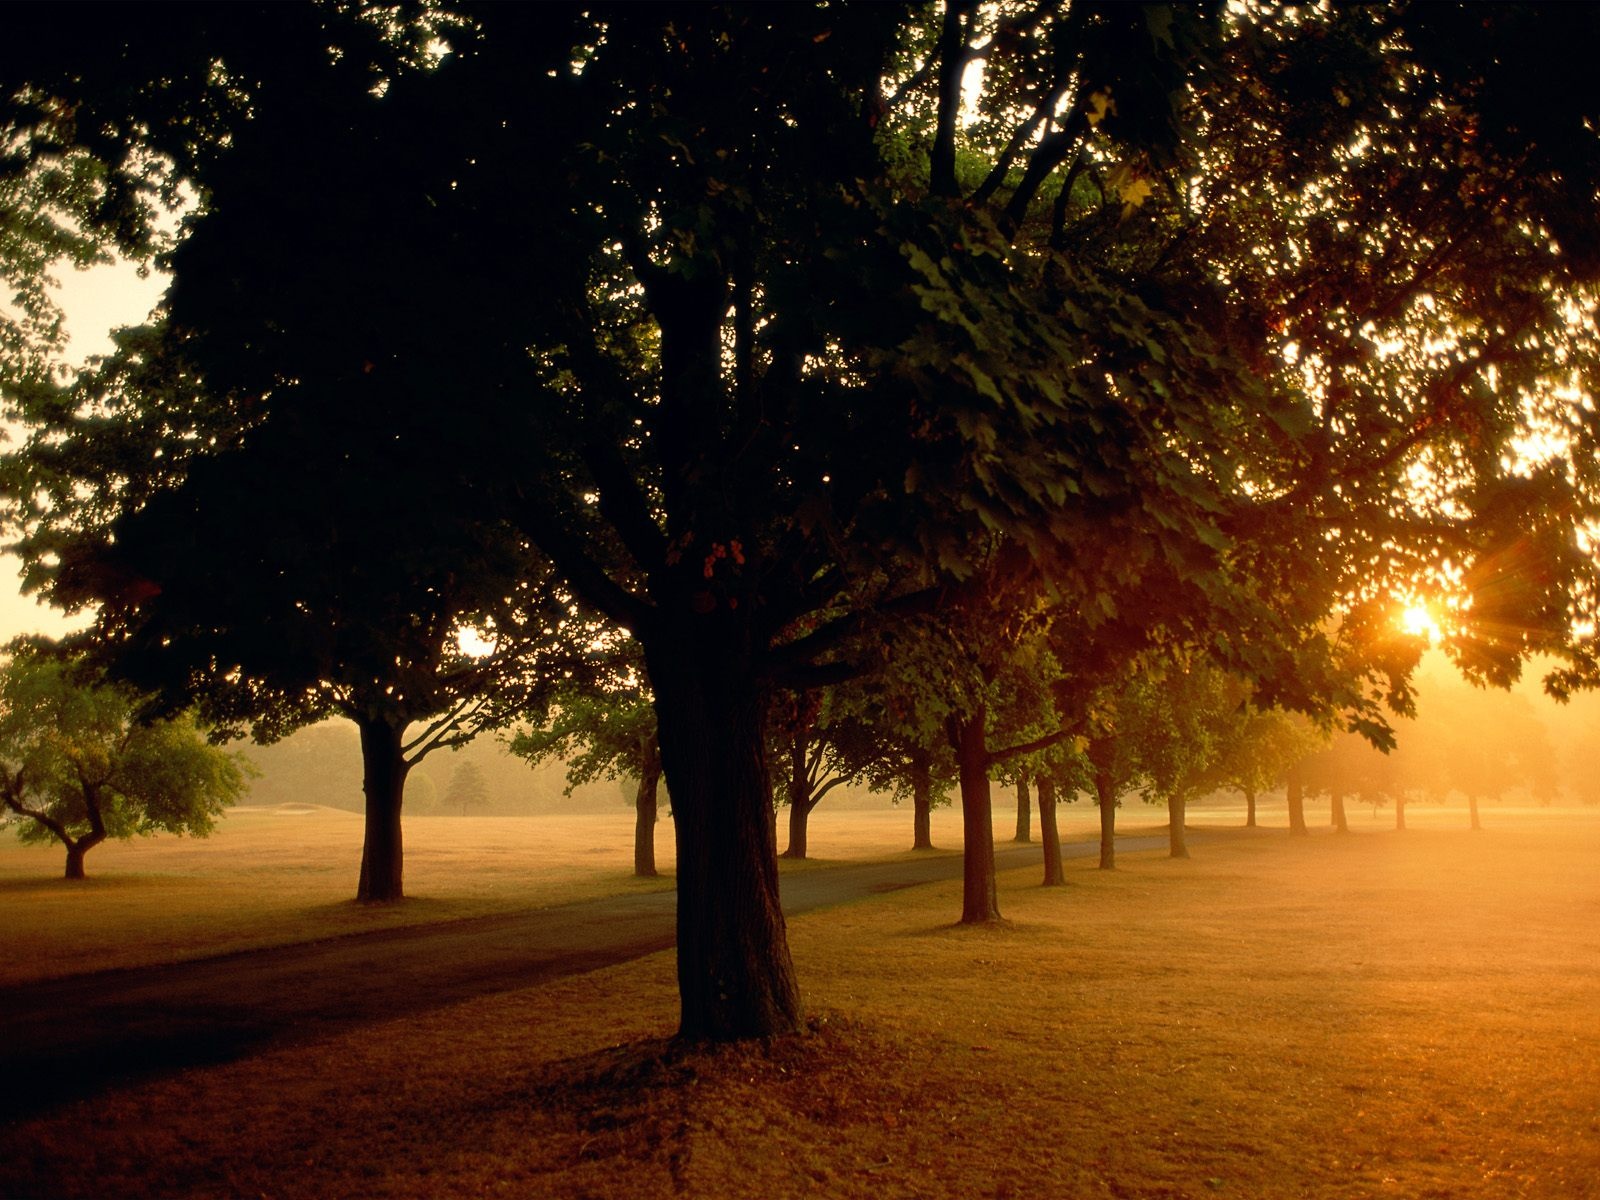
x=473 y=644
x=1417 y=621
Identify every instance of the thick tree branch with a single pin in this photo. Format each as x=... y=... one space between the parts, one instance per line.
x=995 y=757
x=587 y=578
x=840 y=629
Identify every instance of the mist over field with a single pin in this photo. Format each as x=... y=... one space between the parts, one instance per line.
x=957 y=601
x=1517 y=746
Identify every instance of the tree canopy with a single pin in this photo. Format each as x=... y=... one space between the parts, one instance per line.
x=76 y=767
x=756 y=329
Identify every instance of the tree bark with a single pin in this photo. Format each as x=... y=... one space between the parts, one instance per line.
x=1105 y=796
x=1336 y=805
x=644 y=822
x=75 y=853
x=799 y=815
x=799 y=796
x=980 y=902
x=1049 y=834
x=735 y=975
x=78 y=847
x=383 y=780
x=922 y=801
x=1297 y=802
x=1024 y=811
x=1177 y=843
x=1249 y=808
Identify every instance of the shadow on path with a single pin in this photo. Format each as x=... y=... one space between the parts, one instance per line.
x=69 y=1038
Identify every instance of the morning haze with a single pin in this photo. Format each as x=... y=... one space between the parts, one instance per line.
x=815 y=599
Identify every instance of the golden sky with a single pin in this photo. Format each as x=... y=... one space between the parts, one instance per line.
x=95 y=301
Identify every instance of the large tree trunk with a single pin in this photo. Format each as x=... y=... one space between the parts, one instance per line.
x=1106 y=796
x=735 y=976
x=1297 y=802
x=799 y=796
x=1024 y=811
x=980 y=900
x=1049 y=834
x=75 y=852
x=921 y=801
x=1399 y=811
x=1472 y=807
x=799 y=818
x=644 y=822
x=1336 y=806
x=1249 y=808
x=1177 y=843
x=383 y=779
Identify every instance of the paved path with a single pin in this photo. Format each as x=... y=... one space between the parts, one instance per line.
x=67 y=1038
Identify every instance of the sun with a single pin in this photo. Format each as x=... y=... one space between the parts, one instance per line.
x=473 y=643
x=1417 y=621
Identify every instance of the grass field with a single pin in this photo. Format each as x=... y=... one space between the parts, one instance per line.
x=287 y=873
x=1382 y=1014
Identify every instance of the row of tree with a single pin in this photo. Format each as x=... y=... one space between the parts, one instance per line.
x=961 y=366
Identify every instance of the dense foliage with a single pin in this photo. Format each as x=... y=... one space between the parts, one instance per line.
x=76 y=767
x=781 y=336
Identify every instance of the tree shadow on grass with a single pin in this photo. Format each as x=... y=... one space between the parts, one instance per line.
x=40 y=1079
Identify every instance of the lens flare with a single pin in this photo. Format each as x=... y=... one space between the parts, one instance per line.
x=1417 y=621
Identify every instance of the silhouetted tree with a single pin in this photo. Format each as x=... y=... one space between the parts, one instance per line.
x=466 y=789
x=799 y=359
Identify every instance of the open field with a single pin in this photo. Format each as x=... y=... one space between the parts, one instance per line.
x=1375 y=1015
x=287 y=874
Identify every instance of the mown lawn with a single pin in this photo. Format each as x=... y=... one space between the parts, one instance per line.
x=1381 y=1014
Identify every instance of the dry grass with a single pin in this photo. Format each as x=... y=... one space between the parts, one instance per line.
x=1376 y=1015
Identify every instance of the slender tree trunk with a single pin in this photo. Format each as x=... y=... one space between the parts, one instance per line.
x=1177 y=843
x=383 y=779
x=1106 y=796
x=1249 y=808
x=921 y=801
x=1399 y=811
x=1297 y=802
x=1049 y=834
x=1472 y=807
x=735 y=975
x=1336 y=805
x=644 y=822
x=799 y=796
x=1024 y=811
x=980 y=901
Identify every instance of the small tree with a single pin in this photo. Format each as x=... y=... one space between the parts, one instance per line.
x=1257 y=749
x=76 y=767
x=466 y=788
x=603 y=731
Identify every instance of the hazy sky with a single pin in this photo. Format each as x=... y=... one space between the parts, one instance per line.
x=96 y=301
